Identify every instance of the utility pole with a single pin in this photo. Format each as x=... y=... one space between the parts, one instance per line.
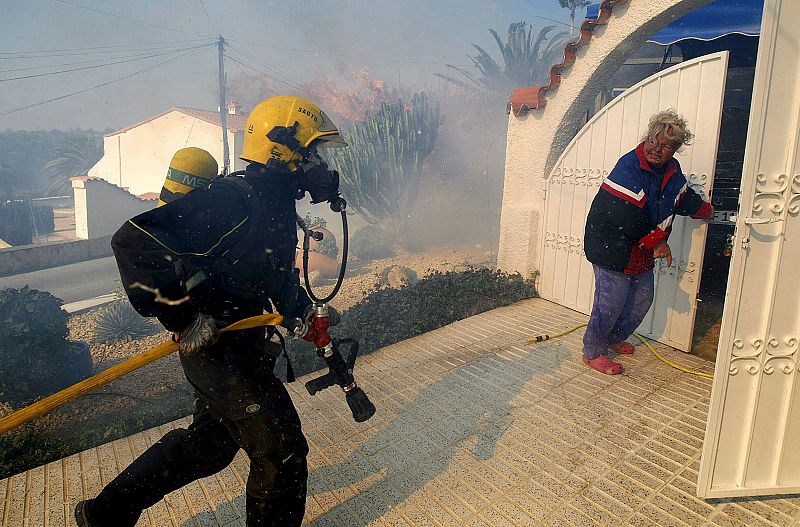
x=223 y=110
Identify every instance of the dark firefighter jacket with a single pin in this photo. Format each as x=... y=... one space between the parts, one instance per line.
x=232 y=253
x=634 y=210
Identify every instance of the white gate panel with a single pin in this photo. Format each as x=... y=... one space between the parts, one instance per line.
x=695 y=89
x=752 y=443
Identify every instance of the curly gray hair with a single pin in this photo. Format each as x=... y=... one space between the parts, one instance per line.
x=670 y=125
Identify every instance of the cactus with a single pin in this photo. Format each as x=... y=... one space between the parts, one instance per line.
x=380 y=172
x=119 y=322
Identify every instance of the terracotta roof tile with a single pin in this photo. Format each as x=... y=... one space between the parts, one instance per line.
x=524 y=100
x=235 y=122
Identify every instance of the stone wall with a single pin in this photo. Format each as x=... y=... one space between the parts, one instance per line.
x=101 y=208
x=16 y=260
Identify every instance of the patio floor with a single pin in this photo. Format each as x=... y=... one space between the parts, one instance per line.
x=475 y=428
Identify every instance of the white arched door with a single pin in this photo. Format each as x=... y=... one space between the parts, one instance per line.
x=695 y=89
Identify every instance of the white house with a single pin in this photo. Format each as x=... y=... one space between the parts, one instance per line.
x=129 y=176
x=136 y=157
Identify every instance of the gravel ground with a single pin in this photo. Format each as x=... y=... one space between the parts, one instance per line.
x=362 y=278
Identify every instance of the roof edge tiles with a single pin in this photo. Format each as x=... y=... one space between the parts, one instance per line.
x=235 y=122
x=524 y=100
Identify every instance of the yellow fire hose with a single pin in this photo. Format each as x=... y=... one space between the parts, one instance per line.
x=542 y=338
x=66 y=395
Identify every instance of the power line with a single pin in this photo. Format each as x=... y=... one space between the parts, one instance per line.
x=40 y=103
x=90 y=61
x=100 y=65
x=271 y=69
x=155 y=44
x=208 y=17
x=272 y=77
x=344 y=55
x=76 y=4
x=271 y=72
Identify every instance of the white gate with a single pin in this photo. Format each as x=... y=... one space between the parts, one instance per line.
x=695 y=89
x=752 y=443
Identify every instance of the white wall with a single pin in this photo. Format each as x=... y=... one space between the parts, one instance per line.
x=137 y=159
x=101 y=208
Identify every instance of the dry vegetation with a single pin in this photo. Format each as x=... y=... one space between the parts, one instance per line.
x=362 y=278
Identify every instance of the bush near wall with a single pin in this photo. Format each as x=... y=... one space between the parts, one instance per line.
x=36 y=359
x=390 y=315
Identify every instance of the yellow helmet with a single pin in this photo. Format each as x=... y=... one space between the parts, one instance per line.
x=189 y=169
x=282 y=127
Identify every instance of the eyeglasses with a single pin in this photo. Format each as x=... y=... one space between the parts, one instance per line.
x=671 y=147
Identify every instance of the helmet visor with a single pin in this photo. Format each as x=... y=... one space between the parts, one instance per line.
x=329 y=137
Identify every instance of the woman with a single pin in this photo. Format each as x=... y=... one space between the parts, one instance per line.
x=627 y=228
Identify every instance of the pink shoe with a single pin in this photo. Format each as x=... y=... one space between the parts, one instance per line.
x=604 y=365
x=625 y=348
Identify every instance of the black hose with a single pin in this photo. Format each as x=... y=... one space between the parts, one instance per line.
x=341 y=204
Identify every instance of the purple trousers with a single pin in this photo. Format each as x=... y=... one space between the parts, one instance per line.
x=620 y=303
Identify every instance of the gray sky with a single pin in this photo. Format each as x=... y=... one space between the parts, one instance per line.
x=401 y=42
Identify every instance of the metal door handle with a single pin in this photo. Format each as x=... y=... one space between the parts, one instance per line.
x=761 y=221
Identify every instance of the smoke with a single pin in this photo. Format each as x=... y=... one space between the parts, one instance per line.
x=461 y=202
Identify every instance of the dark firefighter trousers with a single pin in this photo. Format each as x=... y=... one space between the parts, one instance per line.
x=272 y=439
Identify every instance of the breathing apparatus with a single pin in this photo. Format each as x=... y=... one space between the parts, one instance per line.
x=323 y=185
x=286 y=132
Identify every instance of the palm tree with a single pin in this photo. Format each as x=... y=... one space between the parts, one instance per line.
x=573 y=5
x=526 y=60
x=74 y=158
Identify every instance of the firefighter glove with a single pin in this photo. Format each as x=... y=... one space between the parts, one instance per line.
x=201 y=333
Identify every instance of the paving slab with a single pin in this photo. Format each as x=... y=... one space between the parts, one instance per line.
x=475 y=427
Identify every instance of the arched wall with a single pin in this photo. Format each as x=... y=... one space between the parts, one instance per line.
x=536 y=138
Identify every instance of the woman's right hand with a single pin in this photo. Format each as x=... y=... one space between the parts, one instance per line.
x=662 y=250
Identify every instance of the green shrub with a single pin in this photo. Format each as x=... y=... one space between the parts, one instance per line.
x=391 y=315
x=370 y=243
x=36 y=358
x=119 y=322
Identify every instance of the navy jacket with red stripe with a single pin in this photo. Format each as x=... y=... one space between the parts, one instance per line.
x=633 y=212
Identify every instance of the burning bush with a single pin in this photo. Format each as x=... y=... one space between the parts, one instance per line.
x=351 y=102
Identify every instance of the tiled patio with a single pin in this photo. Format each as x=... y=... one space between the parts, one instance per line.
x=475 y=428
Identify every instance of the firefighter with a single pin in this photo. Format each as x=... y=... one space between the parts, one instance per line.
x=215 y=256
x=190 y=168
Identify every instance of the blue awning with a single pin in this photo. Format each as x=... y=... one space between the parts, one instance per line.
x=719 y=18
